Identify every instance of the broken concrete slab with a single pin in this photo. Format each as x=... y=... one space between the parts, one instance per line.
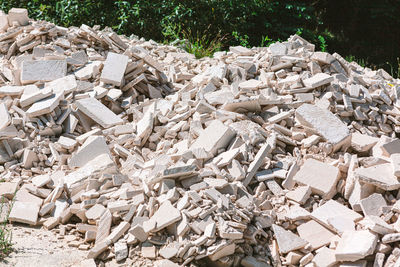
x=380 y=175
x=24 y=212
x=325 y=124
x=355 y=245
x=43 y=70
x=114 y=68
x=95 y=110
x=321 y=177
x=93 y=147
x=287 y=241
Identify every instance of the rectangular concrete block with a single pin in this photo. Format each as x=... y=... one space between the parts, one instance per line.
x=42 y=70
x=114 y=69
x=325 y=124
x=95 y=110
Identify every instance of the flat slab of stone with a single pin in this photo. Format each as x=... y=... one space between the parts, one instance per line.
x=314 y=233
x=5 y=118
x=114 y=68
x=379 y=175
x=355 y=245
x=324 y=123
x=64 y=85
x=166 y=215
x=33 y=94
x=42 y=70
x=44 y=106
x=317 y=80
x=333 y=209
x=372 y=205
x=363 y=142
x=321 y=177
x=24 y=212
x=95 y=110
x=214 y=137
x=92 y=148
x=287 y=241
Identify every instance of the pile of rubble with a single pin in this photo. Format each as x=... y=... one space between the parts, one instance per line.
x=256 y=157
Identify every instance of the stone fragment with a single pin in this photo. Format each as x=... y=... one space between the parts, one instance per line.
x=332 y=209
x=227 y=250
x=44 y=106
x=24 y=212
x=321 y=177
x=214 y=137
x=380 y=175
x=287 y=241
x=5 y=118
x=114 y=68
x=95 y=212
x=355 y=245
x=317 y=80
x=395 y=160
x=104 y=226
x=325 y=257
x=315 y=234
x=121 y=251
x=372 y=205
x=93 y=147
x=18 y=15
x=95 y=110
x=362 y=142
x=165 y=215
x=43 y=70
x=300 y=194
x=325 y=124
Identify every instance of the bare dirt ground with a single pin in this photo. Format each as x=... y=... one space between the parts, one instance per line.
x=37 y=247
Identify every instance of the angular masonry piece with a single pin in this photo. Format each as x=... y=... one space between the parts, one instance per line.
x=19 y=15
x=287 y=241
x=372 y=205
x=317 y=80
x=95 y=110
x=24 y=212
x=395 y=159
x=315 y=234
x=5 y=118
x=355 y=245
x=64 y=85
x=214 y=137
x=166 y=215
x=379 y=175
x=321 y=177
x=93 y=147
x=333 y=209
x=42 y=70
x=325 y=124
x=363 y=142
x=114 y=68
x=33 y=94
x=44 y=106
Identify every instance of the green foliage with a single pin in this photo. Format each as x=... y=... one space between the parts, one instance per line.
x=5 y=231
x=242 y=39
x=360 y=61
x=322 y=43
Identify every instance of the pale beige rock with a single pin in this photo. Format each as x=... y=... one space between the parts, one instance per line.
x=325 y=124
x=395 y=160
x=43 y=70
x=363 y=142
x=325 y=257
x=321 y=177
x=5 y=118
x=24 y=212
x=114 y=68
x=94 y=109
x=93 y=147
x=315 y=234
x=317 y=80
x=214 y=137
x=19 y=15
x=355 y=245
x=379 y=175
x=287 y=241
x=45 y=105
x=166 y=215
x=332 y=209
x=372 y=204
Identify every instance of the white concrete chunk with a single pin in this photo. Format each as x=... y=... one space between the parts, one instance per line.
x=325 y=124
x=317 y=80
x=355 y=245
x=43 y=70
x=24 y=212
x=114 y=68
x=45 y=105
x=94 y=109
x=5 y=118
x=92 y=148
x=287 y=241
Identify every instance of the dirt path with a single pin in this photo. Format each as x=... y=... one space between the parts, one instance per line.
x=38 y=247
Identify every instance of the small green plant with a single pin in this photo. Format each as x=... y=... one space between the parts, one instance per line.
x=362 y=62
x=5 y=231
x=266 y=41
x=322 y=43
x=242 y=39
x=201 y=45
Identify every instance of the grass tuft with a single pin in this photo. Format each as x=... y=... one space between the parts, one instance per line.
x=5 y=231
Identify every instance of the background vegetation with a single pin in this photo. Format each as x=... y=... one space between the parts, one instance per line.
x=364 y=30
